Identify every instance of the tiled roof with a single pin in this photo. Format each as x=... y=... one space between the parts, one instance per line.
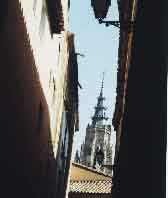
x=91 y=169
x=100 y=187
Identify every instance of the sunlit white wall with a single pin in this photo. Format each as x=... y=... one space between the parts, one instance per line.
x=51 y=57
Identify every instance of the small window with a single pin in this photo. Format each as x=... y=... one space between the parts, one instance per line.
x=89 y=151
x=68 y=4
x=42 y=21
x=34 y=6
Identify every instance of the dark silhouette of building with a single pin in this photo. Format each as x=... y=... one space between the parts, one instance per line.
x=140 y=158
x=36 y=99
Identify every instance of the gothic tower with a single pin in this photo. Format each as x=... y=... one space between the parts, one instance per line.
x=97 y=148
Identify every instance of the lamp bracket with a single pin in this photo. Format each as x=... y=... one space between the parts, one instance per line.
x=125 y=25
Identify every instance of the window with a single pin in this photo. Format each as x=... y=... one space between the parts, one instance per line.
x=34 y=6
x=63 y=152
x=59 y=48
x=42 y=21
x=68 y=4
x=64 y=138
x=90 y=151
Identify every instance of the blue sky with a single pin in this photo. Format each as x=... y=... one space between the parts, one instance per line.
x=99 y=44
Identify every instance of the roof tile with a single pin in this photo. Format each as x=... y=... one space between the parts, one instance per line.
x=90 y=186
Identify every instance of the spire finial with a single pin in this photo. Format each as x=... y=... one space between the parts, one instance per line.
x=102 y=85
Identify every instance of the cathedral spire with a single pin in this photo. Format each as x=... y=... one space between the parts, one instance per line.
x=95 y=152
x=102 y=86
x=100 y=114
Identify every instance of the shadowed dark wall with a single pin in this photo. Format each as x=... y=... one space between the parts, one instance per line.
x=26 y=158
x=141 y=162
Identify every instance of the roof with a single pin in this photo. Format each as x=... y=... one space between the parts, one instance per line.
x=127 y=12
x=83 y=173
x=98 y=187
x=72 y=98
x=56 y=17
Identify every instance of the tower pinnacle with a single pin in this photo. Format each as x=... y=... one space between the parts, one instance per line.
x=100 y=114
x=102 y=86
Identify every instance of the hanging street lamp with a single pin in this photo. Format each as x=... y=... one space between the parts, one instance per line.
x=101 y=7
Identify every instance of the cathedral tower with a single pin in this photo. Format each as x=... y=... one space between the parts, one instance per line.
x=97 y=148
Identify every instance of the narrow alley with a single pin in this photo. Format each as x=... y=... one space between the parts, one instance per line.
x=123 y=150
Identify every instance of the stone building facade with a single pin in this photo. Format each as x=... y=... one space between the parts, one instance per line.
x=37 y=80
x=97 y=149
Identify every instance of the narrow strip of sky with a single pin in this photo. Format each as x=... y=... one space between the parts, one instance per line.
x=99 y=44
